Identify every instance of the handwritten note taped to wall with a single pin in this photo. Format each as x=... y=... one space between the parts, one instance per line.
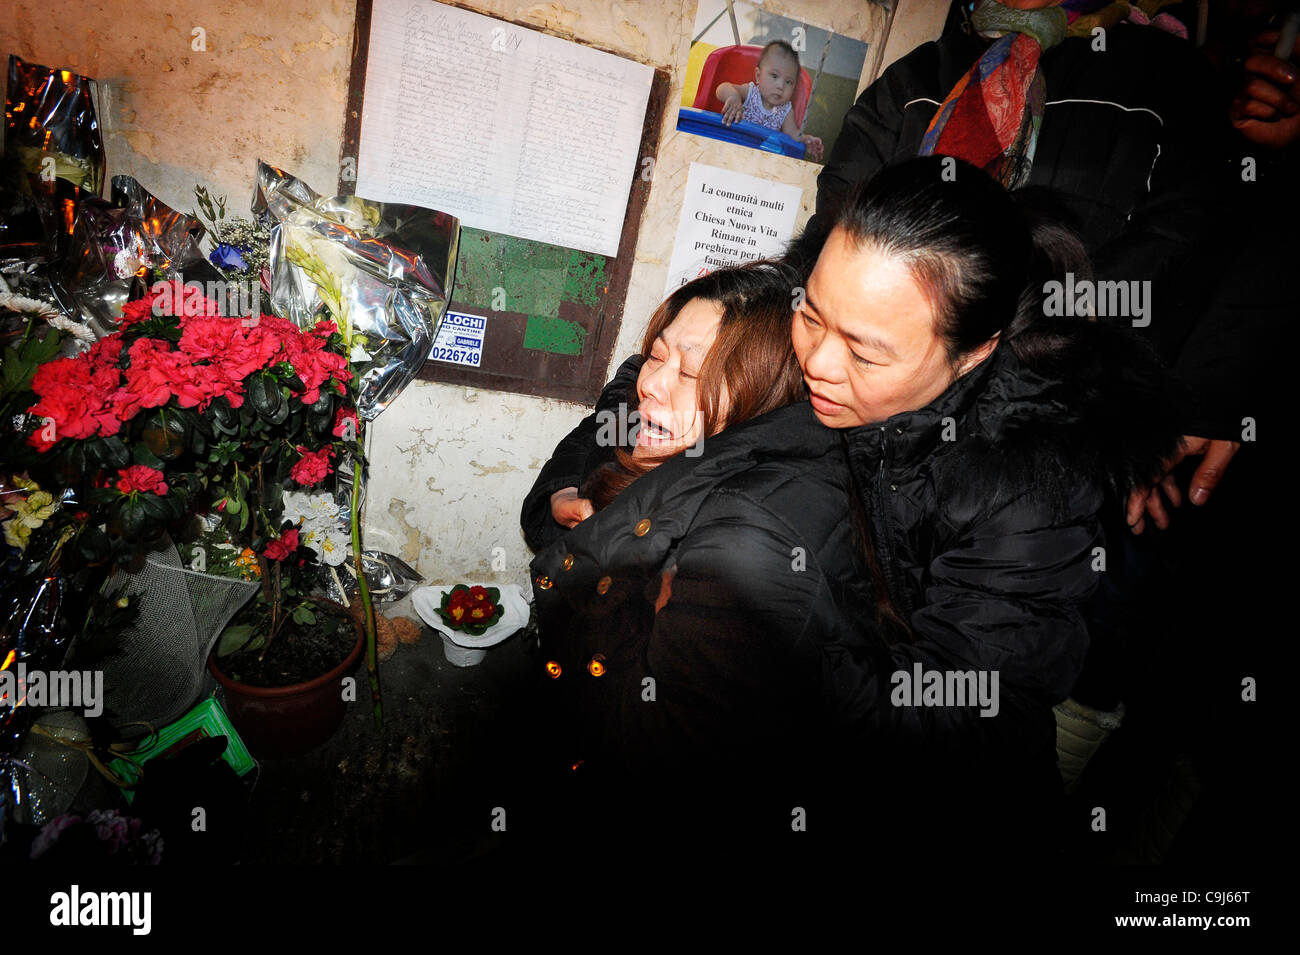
x=509 y=129
x=729 y=218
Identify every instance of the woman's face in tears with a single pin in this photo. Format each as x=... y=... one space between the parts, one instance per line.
x=670 y=418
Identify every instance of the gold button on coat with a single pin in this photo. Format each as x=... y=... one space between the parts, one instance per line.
x=568 y=562
x=642 y=526
x=597 y=665
x=544 y=583
x=603 y=587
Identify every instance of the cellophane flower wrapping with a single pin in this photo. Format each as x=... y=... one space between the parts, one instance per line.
x=383 y=271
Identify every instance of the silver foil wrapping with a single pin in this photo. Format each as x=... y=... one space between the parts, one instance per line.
x=388 y=577
x=113 y=246
x=384 y=271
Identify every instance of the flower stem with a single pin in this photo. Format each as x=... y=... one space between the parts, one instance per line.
x=372 y=647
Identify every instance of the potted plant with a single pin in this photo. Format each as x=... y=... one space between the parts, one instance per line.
x=470 y=618
x=282 y=662
x=186 y=419
x=471 y=610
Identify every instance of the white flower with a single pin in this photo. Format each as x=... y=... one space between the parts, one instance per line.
x=324 y=509
x=74 y=328
x=309 y=510
x=330 y=543
x=27 y=306
x=296 y=505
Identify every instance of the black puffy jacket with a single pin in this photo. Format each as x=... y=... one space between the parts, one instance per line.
x=985 y=511
x=739 y=660
x=767 y=664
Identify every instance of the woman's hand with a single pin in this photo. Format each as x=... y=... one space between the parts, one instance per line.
x=568 y=509
x=814 y=147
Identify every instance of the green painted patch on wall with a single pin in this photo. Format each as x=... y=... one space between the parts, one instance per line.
x=558 y=335
x=533 y=278
x=584 y=280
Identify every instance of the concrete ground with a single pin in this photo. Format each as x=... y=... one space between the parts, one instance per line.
x=420 y=790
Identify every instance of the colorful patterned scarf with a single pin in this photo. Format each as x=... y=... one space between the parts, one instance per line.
x=992 y=116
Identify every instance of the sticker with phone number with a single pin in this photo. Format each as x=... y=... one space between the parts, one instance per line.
x=460 y=339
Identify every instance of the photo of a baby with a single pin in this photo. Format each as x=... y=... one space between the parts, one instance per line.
x=769 y=99
x=778 y=85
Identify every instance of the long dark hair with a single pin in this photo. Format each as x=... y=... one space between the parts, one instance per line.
x=751 y=361
x=981 y=254
x=982 y=257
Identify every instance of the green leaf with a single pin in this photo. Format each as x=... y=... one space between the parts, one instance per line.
x=273 y=496
x=153 y=506
x=131 y=519
x=233 y=505
x=234 y=638
x=321 y=424
x=221 y=412
x=264 y=395
x=281 y=412
x=494 y=594
x=140 y=454
x=303 y=616
x=175 y=503
x=41 y=350
x=115 y=453
x=93 y=544
x=166 y=433
x=16 y=372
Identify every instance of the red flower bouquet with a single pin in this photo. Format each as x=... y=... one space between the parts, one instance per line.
x=185 y=410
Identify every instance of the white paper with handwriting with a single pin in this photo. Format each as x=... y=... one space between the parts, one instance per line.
x=506 y=128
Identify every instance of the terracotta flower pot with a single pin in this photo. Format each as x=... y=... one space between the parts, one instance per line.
x=285 y=721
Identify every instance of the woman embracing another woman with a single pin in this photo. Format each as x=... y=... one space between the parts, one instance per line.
x=684 y=623
x=858 y=610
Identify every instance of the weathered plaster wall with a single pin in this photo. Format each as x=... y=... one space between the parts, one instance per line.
x=269 y=84
x=450 y=465
x=915 y=22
